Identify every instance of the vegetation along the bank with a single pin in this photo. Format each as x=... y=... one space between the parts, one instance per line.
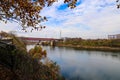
x=92 y=44
x=18 y=64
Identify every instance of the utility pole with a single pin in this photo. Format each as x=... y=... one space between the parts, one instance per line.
x=60 y=34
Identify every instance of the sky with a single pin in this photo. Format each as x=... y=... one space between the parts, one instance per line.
x=91 y=19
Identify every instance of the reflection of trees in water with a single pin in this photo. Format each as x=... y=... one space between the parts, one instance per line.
x=52 y=47
x=114 y=55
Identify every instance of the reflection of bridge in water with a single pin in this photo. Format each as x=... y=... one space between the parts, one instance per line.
x=46 y=41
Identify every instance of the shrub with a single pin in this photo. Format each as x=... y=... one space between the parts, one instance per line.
x=37 y=52
x=25 y=67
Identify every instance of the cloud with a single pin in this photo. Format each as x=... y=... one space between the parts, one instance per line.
x=9 y=26
x=90 y=19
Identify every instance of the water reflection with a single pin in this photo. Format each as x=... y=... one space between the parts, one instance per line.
x=86 y=65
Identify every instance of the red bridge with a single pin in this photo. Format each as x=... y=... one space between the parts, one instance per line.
x=31 y=39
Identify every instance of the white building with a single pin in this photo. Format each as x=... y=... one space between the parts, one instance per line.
x=116 y=36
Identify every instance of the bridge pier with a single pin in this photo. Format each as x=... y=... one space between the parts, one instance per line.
x=52 y=43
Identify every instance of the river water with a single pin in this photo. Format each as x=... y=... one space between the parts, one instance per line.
x=85 y=65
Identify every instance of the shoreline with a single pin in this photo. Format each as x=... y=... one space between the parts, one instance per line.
x=92 y=48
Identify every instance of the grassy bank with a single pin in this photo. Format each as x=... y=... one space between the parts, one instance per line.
x=98 y=44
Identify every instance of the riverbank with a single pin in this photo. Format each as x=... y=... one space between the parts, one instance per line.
x=95 y=48
x=92 y=44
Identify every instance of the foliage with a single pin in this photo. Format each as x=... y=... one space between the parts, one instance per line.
x=37 y=52
x=94 y=43
x=52 y=65
x=4 y=73
x=27 y=12
x=24 y=67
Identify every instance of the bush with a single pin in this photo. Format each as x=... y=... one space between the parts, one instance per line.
x=25 y=67
x=37 y=52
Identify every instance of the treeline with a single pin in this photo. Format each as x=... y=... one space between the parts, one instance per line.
x=90 y=42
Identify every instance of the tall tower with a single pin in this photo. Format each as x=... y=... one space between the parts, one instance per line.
x=60 y=34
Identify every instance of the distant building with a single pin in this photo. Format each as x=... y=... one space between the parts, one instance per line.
x=117 y=36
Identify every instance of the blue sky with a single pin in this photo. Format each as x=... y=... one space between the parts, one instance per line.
x=89 y=20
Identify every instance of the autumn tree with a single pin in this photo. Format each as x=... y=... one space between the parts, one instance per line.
x=27 y=12
x=37 y=52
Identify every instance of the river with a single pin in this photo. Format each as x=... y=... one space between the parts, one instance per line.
x=85 y=65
